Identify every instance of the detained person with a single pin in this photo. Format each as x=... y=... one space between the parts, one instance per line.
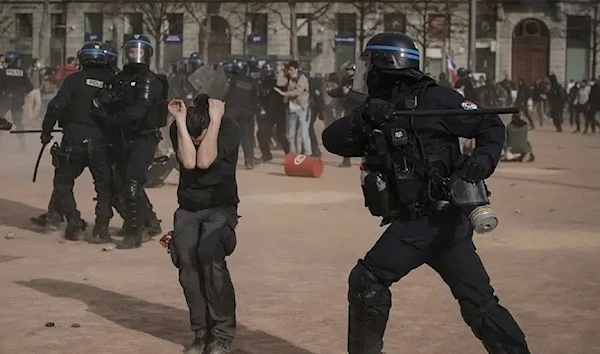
x=203 y=234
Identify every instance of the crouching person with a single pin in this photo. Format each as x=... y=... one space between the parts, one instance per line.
x=203 y=234
x=517 y=142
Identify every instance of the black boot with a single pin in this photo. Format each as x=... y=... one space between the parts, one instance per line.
x=531 y=158
x=125 y=229
x=74 y=229
x=100 y=232
x=50 y=221
x=132 y=240
x=153 y=227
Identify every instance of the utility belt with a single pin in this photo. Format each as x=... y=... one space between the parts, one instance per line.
x=131 y=135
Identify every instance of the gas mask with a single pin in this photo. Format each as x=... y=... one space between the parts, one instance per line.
x=473 y=200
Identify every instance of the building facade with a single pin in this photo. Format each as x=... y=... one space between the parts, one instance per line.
x=521 y=39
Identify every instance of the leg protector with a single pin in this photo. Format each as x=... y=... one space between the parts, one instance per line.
x=369 y=308
x=494 y=326
x=132 y=191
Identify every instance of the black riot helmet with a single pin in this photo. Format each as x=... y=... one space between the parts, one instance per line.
x=137 y=50
x=12 y=59
x=462 y=72
x=267 y=71
x=112 y=55
x=92 y=53
x=386 y=55
x=239 y=67
x=195 y=61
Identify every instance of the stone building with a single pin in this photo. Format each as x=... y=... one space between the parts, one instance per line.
x=524 y=39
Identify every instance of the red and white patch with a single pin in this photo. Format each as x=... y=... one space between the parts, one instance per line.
x=468 y=106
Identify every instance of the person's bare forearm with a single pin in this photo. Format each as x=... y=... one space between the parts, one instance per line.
x=208 y=150
x=186 y=152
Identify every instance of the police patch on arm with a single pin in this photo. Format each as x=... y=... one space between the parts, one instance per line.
x=94 y=83
x=13 y=72
x=468 y=105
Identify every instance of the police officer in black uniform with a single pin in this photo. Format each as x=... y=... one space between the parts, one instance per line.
x=465 y=82
x=84 y=144
x=351 y=99
x=272 y=113
x=135 y=105
x=14 y=86
x=420 y=231
x=242 y=103
x=52 y=219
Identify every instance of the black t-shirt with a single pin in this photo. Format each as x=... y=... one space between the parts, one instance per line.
x=215 y=186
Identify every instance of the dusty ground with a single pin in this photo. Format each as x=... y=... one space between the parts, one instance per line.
x=298 y=239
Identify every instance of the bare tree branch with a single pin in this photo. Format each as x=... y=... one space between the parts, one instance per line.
x=6 y=20
x=241 y=17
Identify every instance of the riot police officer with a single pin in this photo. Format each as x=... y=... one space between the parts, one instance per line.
x=421 y=232
x=134 y=104
x=14 y=86
x=195 y=61
x=272 y=113
x=84 y=144
x=113 y=57
x=465 y=82
x=242 y=103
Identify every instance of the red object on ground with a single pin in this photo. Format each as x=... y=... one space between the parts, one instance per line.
x=303 y=166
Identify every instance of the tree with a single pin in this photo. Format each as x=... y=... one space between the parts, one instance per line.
x=241 y=17
x=291 y=24
x=6 y=20
x=199 y=14
x=368 y=17
x=595 y=24
x=155 y=14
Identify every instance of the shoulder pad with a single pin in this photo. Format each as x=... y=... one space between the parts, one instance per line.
x=13 y=72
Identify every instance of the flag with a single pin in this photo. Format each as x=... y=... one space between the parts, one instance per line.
x=452 y=70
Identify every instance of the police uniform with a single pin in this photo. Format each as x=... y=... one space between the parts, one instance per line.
x=418 y=148
x=242 y=103
x=134 y=106
x=272 y=114
x=14 y=86
x=83 y=145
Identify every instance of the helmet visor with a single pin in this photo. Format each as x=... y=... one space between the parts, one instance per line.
x=137 y=52
x=363 y=66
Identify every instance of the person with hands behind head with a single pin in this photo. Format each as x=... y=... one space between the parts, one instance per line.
x=206 y=144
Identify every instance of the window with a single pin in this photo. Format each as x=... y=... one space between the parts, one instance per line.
x=175 y=23
x=345 y=25
x=259 y=24
x=394 y=22
x=59 y=25
x=303 y=24
x=486 y=26
x=93 y=23
x=436 y=26
x=258 y=33
x=24 y=23
x=133 y=24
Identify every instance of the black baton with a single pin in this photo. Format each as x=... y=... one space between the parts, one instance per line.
x=456 y=112
x=33 y=131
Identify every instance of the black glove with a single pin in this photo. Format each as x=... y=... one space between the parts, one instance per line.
x=4 y=124
x=474 y=170
x=45 y=138
x=378 y=111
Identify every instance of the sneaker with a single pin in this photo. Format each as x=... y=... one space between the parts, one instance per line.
x=218 y=347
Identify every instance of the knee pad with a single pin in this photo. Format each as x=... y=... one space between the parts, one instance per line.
x=131 y=190
x=367 y=294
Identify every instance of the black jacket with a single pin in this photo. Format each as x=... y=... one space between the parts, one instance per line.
x=347 y=136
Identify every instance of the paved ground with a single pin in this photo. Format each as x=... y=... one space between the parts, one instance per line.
x=298 y=239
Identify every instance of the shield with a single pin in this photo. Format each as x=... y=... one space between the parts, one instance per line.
x=210 y=81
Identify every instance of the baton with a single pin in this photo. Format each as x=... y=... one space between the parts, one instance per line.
x=37 y=162
x=33 y=131
x=456 y=112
